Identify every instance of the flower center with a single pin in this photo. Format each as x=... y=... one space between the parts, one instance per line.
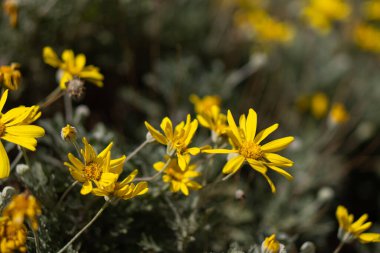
x=250 y=149
x=2 y=128
x=92 y=171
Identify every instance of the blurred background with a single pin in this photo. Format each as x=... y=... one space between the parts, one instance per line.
x=310 y=65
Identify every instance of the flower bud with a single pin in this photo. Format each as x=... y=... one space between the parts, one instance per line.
x=69 y=133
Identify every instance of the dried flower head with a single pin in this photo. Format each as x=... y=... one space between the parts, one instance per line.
x=69 y=133
x=75 y=88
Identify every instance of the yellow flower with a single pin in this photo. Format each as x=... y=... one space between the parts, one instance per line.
x=10 y=76
x=12 y=236
x=320 y=14
x=215 y=121
x=15 y=127
x=95 y=167
x=204 y=105
x=72 y=66
x=11 y=9
x=247 y=148
x=367 y=37
x=179 y=180
x=265 y=27
x=178 y=139
x=319 y=105
x=21 y=206
x=338 y=114
x=371 y=9
x=121 y=190
x=271 y=245
x=350 y=230
x=69 y=133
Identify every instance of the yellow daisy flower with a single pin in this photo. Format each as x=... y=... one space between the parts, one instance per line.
x=270 y=245
x=10 y=76
x=72 y=66
x=15 y=127
x=121 y=190
x=12 y=236
x=11 y=9
x=178 y=139
x=204 y=105
x=338 y=114
x=247 y=148
x=350 y=230
x=179 y=180
x=21 y=206
x=95 y=167
x=215 y=121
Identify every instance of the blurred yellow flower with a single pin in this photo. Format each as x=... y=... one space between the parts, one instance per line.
x=15 y=127
x=371 y=9
x=247 y=148
x=367 y=37
x=23 y=206
x=338 y=114
x=179 y=180
x=270 y=245
x=204 y=105
x=10 y=76
x=320 y=14
x=350 y=230
x=121 y=190
x=95 y=168
x=178 y=139
x=11 y=9
x=215 y=121
x=264 y=27
x=69 y=133
x=319 y=105
x=12 y=236
x=72 y=66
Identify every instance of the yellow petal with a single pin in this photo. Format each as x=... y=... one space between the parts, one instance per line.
x=219 y=151
x=278 y=144
x=156 y=135
x=3 y=99
x=4 y=162
x=182 y=162
x=105 y=152
x=278 y=160
x=86 y=188
x=193 y=151
x=192 y=130
x=26 y=142
x=251 y=125
x=140 y=189
x=75 y=161
x=158 y=165
x=282 y=172
x=184 y=189
x=256 y=165
x=66 y=76
x=369 y=237
x=50 y=57
x=272 y=187
x=26 y=130
x=342 y=216
x=233 y=165
x=80 y=62
x=264 y=133
x=233 y=127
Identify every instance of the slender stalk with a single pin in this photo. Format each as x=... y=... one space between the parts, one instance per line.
x=106 y=204
x=138 y=149
x=52 y=97
x=228 y=176
x=340 y=246
x=65 y=193
x=36 y=238
x=155 y=175
x=26 y=158
x=68 y=108
x=75 y=143
x=16 y=160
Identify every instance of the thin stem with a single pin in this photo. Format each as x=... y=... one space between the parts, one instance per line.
x=138 y=149
x=106 y=204
x=228 y=176
x=17 y=159
x=155 y=175
x=26 y=158
x=68 y=108
x=75 y=143
x=340 y=246
x=52 y=97
x=36 y=238
x=65 y=193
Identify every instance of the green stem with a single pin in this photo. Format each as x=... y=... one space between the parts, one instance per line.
x=65 y=193
x=106 y=204
x=52 y=97
x=337 y=250
x=138 y=149
x=26 y=158
x=68 y=108
x=36 y=238
x=155 y=175
x=17 y=159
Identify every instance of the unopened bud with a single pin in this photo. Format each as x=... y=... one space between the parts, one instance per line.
x=69 y=133
x=22 y=169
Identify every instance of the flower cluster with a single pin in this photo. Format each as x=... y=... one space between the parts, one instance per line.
x=13 y=232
